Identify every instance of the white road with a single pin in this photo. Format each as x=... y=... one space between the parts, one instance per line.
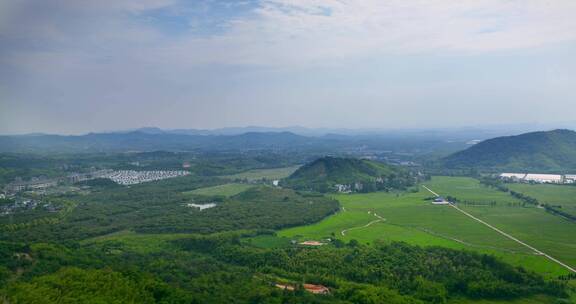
x=539 y=252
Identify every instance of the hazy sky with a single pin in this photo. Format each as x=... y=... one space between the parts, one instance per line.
x=71 y=66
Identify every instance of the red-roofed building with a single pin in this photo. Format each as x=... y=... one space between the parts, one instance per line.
x=317 y=289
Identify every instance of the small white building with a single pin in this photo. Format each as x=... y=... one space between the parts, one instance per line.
x=440 y=201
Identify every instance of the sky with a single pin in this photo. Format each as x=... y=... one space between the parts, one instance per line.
x=70 y=66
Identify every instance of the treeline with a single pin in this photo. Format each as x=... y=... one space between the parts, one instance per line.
x=483 y=204
x=221 y=269
x=526 y=199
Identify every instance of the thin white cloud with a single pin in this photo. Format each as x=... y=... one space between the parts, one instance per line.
x=289 y=32
x=107 y=58
x=292 y=31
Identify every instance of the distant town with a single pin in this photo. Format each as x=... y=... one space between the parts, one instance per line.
x=22 y=196
x=122 y=177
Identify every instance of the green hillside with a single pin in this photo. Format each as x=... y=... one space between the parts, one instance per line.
x=543 y=151
x=355 y=175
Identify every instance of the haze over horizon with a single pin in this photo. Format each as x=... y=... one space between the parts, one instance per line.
x=68 y=67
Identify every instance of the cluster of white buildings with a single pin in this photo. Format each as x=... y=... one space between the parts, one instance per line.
x=123 y=177
x=131 y=177
x=540 y=178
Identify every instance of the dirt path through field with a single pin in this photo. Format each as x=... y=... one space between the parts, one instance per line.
x=380 y=219
x=539 y=252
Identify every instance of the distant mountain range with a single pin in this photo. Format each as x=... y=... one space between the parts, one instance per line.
x=329 y=174
x=537 y=151
x=230 y=131
x=432 y=143
x=553 y=151
x=458 y=133
x=154 y=139
x=140 y=141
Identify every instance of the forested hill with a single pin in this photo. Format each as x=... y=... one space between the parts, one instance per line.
x=543 y=151
x=359 y=175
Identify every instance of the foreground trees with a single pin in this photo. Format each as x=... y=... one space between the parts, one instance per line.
x=223 y=269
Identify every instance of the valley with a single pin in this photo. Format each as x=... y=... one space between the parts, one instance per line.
x=287 y=152
x=264 y=226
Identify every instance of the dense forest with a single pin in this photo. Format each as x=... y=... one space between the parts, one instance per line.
x=220 y=268
x=161 y=207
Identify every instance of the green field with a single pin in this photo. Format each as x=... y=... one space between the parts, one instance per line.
x=413 y=219
x=562 y=195
x=269 y=174
x=548 y=233
x=468 y=189
x=225 y=190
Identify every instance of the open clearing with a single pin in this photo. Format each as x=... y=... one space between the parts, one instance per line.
x=269 y=174
x=225 y=190
x=410 y=217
